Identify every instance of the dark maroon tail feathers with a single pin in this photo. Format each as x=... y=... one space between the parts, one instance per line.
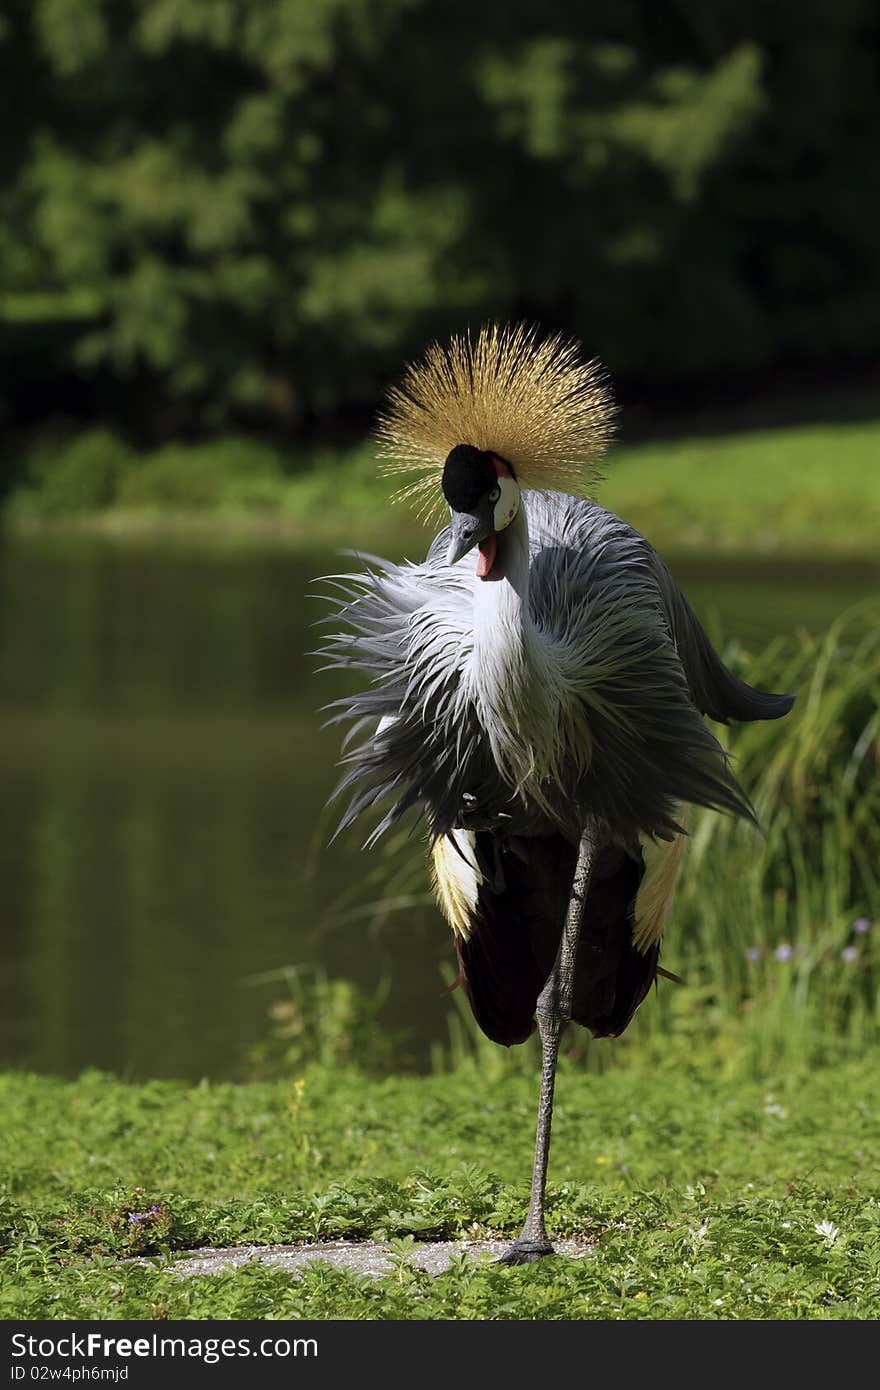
x=612 y=977
x=510 y=952
x=500 y=975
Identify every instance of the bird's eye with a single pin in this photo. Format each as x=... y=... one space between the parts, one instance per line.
x=495 y=493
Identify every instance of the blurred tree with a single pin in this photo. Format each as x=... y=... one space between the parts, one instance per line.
x=253 y=209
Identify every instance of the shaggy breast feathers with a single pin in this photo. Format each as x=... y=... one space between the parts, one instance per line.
x=628 y=743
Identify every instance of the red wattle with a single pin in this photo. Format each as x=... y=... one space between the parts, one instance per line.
x=488 y=551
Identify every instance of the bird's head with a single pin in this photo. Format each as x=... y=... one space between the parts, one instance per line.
x=483 y=497
x=535 y=414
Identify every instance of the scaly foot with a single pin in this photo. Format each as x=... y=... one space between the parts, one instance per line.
x=526 y=1252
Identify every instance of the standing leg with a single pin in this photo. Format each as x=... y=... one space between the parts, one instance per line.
x=553 y=1013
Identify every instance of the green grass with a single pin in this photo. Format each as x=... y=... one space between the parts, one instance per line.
x=704 y=1197
x=776 y=491
x=782 y=491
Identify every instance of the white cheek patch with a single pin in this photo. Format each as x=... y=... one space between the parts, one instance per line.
x=507 y=505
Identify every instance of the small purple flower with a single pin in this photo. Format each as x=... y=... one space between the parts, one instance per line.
x=784 y=952
x=861 y=926
x=849 y=954
x=136 y=1217
x=754 y=953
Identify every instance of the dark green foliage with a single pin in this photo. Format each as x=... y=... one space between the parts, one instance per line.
x=179 y=477
x=85 y=475
x=253 y=209
x=94 y=471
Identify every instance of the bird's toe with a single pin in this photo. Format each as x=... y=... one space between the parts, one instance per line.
x=526 y=1252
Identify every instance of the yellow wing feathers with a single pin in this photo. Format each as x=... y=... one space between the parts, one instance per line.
x=657 y=889
x=456 y=879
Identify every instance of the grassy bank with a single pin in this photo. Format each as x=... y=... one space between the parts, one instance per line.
x=703 y=1197
x=784 y=491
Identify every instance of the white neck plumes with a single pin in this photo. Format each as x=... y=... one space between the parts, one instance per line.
x=503 y=629
x=515 y=679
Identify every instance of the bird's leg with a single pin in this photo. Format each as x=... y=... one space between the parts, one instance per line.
x=553 y=1012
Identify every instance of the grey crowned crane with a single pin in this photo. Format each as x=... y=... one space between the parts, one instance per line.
x=536 y=695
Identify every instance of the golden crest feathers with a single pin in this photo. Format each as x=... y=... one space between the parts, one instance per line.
x=536 y=402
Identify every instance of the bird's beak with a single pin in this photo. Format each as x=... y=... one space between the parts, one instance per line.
x=467 y=531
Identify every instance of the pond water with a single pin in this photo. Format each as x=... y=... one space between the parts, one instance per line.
x=162 y=776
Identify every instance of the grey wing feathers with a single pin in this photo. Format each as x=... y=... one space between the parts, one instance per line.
x=594 y=584
x=714 y=690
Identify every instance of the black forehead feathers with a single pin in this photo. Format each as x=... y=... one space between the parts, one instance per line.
x=468 y=474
